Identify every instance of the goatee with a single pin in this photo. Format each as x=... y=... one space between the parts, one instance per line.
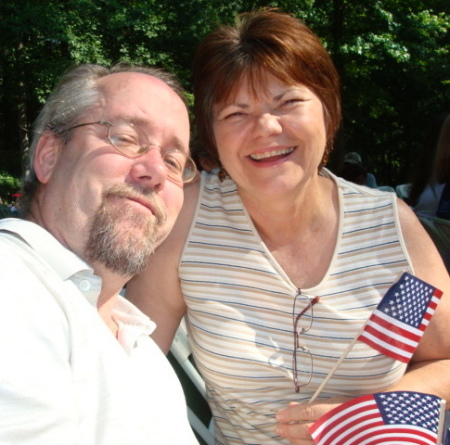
x=121 y=237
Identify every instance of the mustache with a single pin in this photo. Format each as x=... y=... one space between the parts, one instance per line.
x=146 y=196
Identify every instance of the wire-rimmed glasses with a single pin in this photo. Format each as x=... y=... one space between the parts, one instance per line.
x=132 y=142
x=302 y=361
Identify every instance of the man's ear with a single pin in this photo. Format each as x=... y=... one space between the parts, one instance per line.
x=46 y=157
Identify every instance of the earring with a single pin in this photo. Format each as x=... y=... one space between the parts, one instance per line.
x=222 y=174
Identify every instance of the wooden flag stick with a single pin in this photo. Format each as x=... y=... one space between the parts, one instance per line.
x=349 y=347
x=379 y=336
x=336 y=365
x=441 y=426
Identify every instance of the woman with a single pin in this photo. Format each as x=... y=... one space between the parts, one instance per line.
x=274 y=229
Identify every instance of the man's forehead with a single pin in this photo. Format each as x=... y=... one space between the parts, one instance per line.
x=128 y=91
x=142 y=99
x=128 y=80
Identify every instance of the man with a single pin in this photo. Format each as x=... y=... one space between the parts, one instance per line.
x=108 y=163
x=353 y=162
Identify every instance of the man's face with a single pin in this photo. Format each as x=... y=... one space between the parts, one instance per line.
x=109 y=209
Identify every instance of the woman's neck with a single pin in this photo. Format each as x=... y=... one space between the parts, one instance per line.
x=295 y=213
x=293 y=230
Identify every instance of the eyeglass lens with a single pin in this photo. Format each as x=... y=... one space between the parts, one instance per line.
x=131 y=141
x=302 y=361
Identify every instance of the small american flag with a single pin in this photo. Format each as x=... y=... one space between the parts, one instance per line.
x=399 y=321
x=384 y=418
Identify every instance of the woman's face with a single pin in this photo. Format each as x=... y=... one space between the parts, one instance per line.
x=273 y=142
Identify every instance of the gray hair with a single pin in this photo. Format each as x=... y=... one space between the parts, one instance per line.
x=76 y=94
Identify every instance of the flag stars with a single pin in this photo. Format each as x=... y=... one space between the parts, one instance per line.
x=410 y=409
x=408 y=415
x=408 y=301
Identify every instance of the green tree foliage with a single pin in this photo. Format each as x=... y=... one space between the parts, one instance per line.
x=395 y=70
x=9 y=186
x=393 y=57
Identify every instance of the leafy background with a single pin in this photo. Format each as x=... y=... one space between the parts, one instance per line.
x=392 y=55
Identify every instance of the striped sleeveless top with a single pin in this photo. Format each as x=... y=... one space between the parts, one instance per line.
x=240 y=309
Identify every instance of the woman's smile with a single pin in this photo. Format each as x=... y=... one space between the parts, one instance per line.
x=272 y=155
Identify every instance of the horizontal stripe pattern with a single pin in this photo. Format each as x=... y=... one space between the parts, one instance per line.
x=240 y=306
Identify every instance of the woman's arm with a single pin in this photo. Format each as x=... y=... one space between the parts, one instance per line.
x=429 y=369
x=156 y=291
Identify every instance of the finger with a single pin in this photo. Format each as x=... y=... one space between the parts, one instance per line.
x=296 y=413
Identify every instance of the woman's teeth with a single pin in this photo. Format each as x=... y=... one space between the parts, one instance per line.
x=271 y=154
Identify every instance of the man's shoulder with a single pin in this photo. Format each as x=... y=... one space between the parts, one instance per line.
x=10 y=235
x=20 y=227
x=40 y=246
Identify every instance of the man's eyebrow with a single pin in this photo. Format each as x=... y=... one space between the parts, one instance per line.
x=133 y=120
x=144 y=123
x=180 y=145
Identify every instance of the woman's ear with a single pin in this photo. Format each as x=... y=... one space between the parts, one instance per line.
x=46 y=157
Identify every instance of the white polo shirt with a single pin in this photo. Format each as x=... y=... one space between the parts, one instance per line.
x=64 y=377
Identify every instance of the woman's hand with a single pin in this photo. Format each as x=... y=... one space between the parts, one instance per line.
x=293 y=421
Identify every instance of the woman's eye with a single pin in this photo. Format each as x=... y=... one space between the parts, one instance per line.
x=235 y=114
x=292 y=101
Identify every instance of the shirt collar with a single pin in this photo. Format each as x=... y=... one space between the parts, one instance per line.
x=133 y=324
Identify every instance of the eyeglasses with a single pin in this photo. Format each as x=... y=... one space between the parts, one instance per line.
x=302 y=361
x=132 y=142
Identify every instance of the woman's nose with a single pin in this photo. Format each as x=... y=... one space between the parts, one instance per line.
x=267 y=124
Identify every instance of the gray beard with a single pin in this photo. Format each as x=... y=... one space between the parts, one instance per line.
x=122 y=238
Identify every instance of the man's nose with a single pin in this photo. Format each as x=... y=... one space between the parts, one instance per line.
x=150 y=168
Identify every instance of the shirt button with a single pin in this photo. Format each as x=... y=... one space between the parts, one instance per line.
x=85 y=285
